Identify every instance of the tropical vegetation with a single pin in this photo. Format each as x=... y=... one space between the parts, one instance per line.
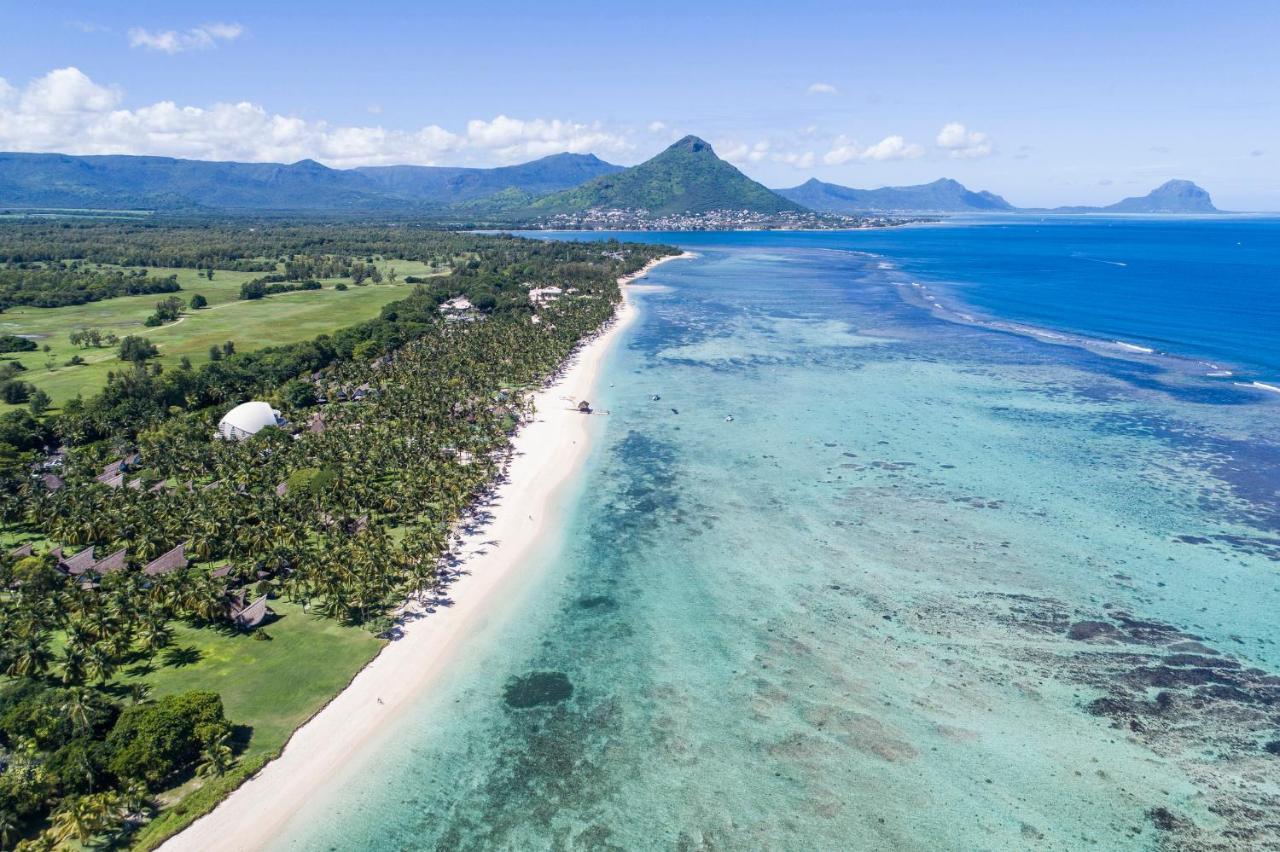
x=390 y=431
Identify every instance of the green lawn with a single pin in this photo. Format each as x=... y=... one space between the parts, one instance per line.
x=271 y=687
x=283 y=318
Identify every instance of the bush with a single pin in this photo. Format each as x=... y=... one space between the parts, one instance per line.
x=152 y=742
x=15 y=392
x=198 y=301
x=341 y=286
x=39 y=402
x=80 y=766
x=298 y=394
x=14 y=343
x=40 y=714
x=137 y=349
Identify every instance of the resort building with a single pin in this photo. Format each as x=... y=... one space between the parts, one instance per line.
x=247 y=419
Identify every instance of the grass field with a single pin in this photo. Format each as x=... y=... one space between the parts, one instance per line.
x=270 y=687
x=283 y=318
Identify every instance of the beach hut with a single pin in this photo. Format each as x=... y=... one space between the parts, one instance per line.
x=248 y=616
x=114 y=562
x=77 y=564
x=111 y=480
x=172 y=561
x=584 y=407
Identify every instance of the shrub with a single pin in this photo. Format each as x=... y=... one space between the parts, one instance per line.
x=14 y=343
x=152 y=742
x=298 y=394
x=137 y=349
x=198 y=301
x=15 y=392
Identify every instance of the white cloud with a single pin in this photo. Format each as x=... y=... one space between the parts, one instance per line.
x=67 y=90
x=656 y=127
x=197 y=38
x=845 y=150
x=822 y=89
x=893 y=148
x=68 y=112
x=963 y=143
x=743 y=154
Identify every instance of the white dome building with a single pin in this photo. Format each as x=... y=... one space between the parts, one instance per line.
x=247 y=418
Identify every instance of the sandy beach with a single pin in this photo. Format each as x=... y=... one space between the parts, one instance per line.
x=547 y=454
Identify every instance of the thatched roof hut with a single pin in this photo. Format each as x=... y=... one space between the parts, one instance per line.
x=172 y=561
x=584 y=407
x=111 y=480
x=250 y=615
x=114 y=562
x=77 y=564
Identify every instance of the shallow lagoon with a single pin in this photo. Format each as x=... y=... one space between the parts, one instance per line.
x=934 y=587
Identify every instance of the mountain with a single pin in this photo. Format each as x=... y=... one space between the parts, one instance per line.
x=1175 y=196
x=687 y=177
x=451 y=185
x=941 y=196
x=106 y=182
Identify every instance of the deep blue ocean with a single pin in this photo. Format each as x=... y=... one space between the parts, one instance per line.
x=954 y=537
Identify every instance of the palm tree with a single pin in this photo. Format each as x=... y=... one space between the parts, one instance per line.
x=99 y=664
x=77 y=706
x=8 y=829
x=77 y=818
x=31 y=656
x=216 y=758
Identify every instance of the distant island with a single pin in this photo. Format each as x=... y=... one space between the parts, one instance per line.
x=685 y=187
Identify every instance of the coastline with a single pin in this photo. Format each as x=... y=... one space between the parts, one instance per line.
x=547 y=454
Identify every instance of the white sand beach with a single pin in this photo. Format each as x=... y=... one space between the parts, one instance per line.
x=548 y=453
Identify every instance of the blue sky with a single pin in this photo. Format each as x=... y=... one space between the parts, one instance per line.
x=1045 y=103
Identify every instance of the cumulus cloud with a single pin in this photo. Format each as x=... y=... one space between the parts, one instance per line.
x=742 y=154
x=963 y=143
x=845 y=150
x=822 y=89
x=66 y=111
x=197 y=38
x=656 y=127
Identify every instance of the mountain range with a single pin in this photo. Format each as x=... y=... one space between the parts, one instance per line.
x=686 y=178
x=941 y=196
x=164 y=183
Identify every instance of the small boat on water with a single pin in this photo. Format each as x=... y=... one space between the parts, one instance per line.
x=655 y=397
x=728 y=418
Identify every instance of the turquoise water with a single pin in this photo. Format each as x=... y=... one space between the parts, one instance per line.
x=935 y=586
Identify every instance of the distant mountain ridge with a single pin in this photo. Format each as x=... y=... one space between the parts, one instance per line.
x=686 y=178
x=941 y=196
x=949 y=196
x=166 y=183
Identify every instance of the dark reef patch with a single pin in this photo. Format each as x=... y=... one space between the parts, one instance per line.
x=1208 y=712
x=537 y=689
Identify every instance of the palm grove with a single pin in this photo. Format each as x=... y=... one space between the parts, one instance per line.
x=394 y=427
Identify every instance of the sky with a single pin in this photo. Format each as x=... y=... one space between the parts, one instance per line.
x=1044 y=102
